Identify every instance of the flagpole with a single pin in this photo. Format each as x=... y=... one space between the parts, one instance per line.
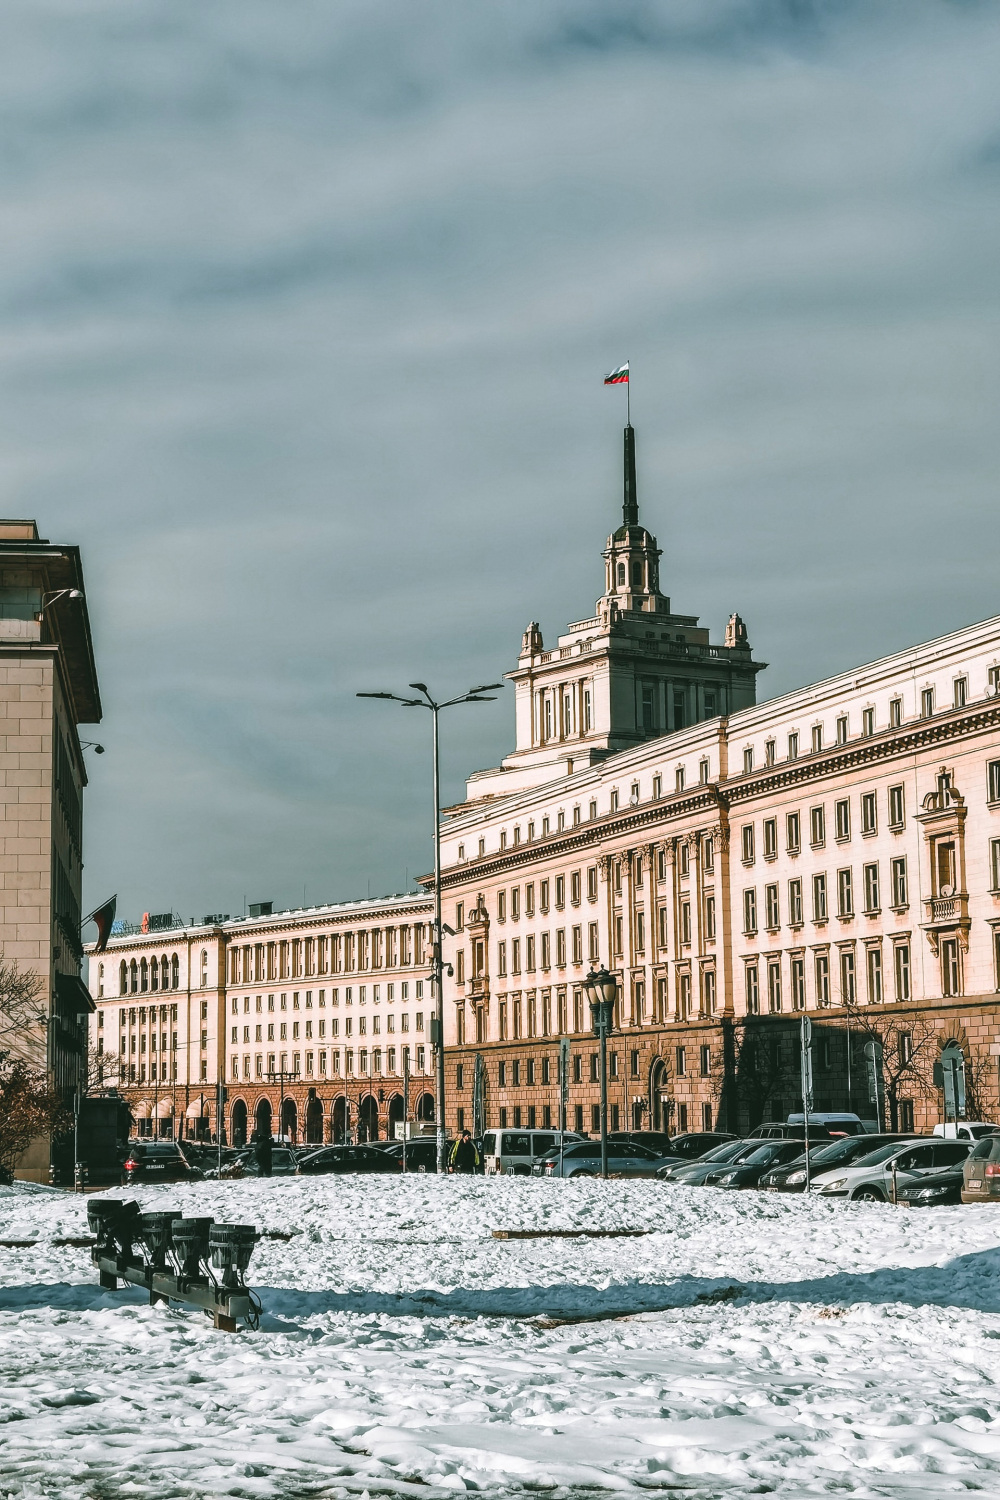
x=628 y=396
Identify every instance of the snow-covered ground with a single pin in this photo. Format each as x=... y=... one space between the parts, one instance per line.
x=749 y=1344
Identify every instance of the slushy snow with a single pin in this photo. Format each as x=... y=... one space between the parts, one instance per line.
x=747 y=1344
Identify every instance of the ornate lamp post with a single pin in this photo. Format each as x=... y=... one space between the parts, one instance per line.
x=602 y=991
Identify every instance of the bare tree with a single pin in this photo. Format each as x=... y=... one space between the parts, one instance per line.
x=22 y=1010
x=749 y=1069
x=104 y=1071
x=906 y=1044
x=29 y=1106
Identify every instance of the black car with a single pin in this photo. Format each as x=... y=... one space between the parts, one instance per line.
x=780 y=1130
x=791 y=1177
x=944 y=1186
x=347 y=1159
x=693 y=1145
x=656 y=1140
x=158 y=1161
x=421 y=1154
x=747 y=1173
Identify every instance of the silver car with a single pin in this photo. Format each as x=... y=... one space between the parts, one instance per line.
x=583 y=1159
x=900 y=1164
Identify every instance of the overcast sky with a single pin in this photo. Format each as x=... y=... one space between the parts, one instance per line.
x=304 y=309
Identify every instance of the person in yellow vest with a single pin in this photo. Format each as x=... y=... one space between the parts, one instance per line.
x=464 y=1156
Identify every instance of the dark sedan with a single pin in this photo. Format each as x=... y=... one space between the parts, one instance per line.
x=157 y=1161
x=654 y=1140
x=934 y=1188
x=791 y=1178
x=421 y=1154
x=747 y=1172
x=696 y=1144
x=694 y=1173
x=347 y=1159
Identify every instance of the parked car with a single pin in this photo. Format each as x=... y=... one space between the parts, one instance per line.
x=284 y=1163
x=942 y=1186
x=693 y=1173
x=965 y=1130
x=695 y=1143
x=982 y=1171
x=791 y=1177
x=514 y=1152
x=780 y=1130
x=157 y=1161
x=421 y=1154
x=837 y=1122
x=872 y=1175
x=583 y=1159
x=346 y=1159
x=656 y=1140
x=746 y=1171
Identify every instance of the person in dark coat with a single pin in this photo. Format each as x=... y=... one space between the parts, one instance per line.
x=262 y=1139
x=464 y=1156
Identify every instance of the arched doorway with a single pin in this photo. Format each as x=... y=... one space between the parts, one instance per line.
x=368 y=1119
x=338 y=1117
x=289 y=1120
x=425 y=1107
x=238 y=1120
x=396 y=1114
x=659 y=1103
x=262 y=1117
x=314 y=1122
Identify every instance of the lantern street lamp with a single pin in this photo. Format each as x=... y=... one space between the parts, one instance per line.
x=602 y=992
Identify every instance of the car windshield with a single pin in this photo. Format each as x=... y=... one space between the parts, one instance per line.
x=762 y=1154
x=882 y=1154
x=725 y=1152
x=584 y=1148
x=836 y=1151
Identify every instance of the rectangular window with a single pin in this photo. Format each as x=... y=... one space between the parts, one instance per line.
x=546 y=950
x=842 y=730
x=793 y=747
x=640 y=932
x=842 y=812
x=927 y=703
x=515 y=956
x=502 y=960
x=951 y=978
x=774 y=985
x=680 y=1063
x=793 y=833
x=845 y=893
x=993 y=781
x=657 y=788
x=872 y=903
x=822 y=979
x=874 y=976
x=897 y=812
x=819 y=898
x=684 y=996
x=867 y=721
x=750 y=911
x=798 y=976
x=708 y=991
x=770 y=838
x=895 y=713
x=678 y=779
x=578 y=945
x=594 y=944
x=795 y=903
x=748 y=844
x=869 y=813
x=995 y=864
x=501 y=906
x=662 y=926
x=848 y=992
x=771 y=907
x=709 y=917
x=817 y=738
x=705 y=1061
x=817 y=826
x=752 y=989
x=685 y=921
x=709 y=856
x=769 y=748
x=560 y=892
x=899 y=888
x=619 y=938
x=901 y=964
x=961 y=691
x=748 y=760
x=592 y=883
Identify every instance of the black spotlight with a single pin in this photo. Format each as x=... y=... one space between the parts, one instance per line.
x=154 y=1232
x=231 y=1246
x=189 y=1238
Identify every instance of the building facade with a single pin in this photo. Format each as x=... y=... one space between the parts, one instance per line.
x=318 y=1019
x=835 y=851
x=48 y=686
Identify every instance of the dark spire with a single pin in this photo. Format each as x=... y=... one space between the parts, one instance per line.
x=630 y=508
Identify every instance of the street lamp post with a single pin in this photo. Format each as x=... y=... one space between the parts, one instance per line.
x=474 y=695
x=602 y=991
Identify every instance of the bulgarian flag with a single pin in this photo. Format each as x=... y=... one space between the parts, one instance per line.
x=619 y=376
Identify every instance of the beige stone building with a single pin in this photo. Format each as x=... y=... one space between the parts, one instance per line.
x=48 y=683
x=834 y=851
x=319 y=1017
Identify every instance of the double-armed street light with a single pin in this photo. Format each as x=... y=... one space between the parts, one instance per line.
x=474 y=695
x=602 y=992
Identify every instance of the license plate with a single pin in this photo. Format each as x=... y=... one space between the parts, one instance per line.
x=975 y=1182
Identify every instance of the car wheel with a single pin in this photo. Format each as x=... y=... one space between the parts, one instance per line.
x=868 y=1195
x=583 y=1173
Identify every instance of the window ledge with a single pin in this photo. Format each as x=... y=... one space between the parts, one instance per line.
x=875 y=911
x=899 y=910
x=869 y=833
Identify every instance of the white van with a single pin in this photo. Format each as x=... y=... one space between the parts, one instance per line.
x=964 y=1130
x=514 y=1152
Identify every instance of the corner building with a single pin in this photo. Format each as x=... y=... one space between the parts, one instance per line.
x=834 y=851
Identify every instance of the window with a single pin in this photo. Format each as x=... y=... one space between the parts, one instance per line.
x=679 y=779
x=869 y=813
x=560 y=892
x=684 y=996
x=703 y=772
x=874 y=976
x=927 y=703
x=847 y=987
x=961 y=691
x=592 y=883
x=662 y=926
x=899 y=891
x=867 y=721
x=901 y=964
x=578 y=945
x=771 y=913
x=543 y=897
x=845 y=893
x=895 y=713
x=708 y=991
x=752 y=989
x=823 y=979
x=774 y=985
x=748 y=760
x=709 y=858
x=748 y=844
x=842 y=730
x=819 y=898
x=657 y=788
x=995 y=864
x=817 y=826
x=950 y=969
x=750 y=911
x=680 y=1062
x=640 y=931
x=798 y=976
x=574 y=888
x=709 y=917
x=793 y=747
x=793 y=833
x=501 y=960
x=906 y=1116
x=795 y=903
x=770 y=838
x=529 y=899
x=842 y=814
x=993 y=781
x=872 y=903
x=769 y=748
x=593 y=942
x=817 y=737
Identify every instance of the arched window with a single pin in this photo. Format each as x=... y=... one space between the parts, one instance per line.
x=154 y=973
x=164 y=973
x=143 y=975
x=135 y=977
x=204 y=968
x=637 y=574
x=175 y=972
x=621 y=573
x=123 y=978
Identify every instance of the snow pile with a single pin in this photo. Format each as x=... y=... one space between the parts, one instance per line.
x=747 y=1343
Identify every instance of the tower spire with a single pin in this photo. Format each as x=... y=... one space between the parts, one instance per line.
x=630 y=507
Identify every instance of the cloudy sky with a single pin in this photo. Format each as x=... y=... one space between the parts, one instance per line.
x=304 y=309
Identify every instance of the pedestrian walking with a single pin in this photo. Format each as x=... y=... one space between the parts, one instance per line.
x=263 y=1148
x=464 y=1155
